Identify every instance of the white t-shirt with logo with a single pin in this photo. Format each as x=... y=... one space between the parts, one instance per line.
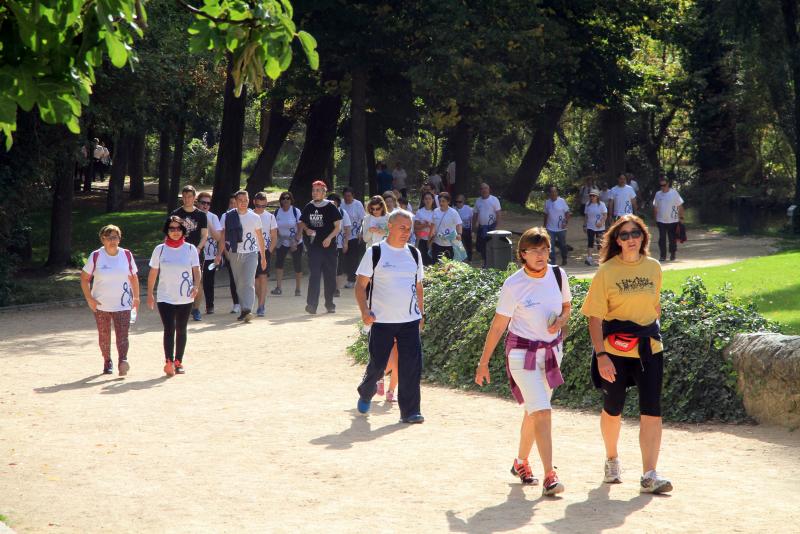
x=556 y=211
x=530 y=301
x=465 y=212
x=445 y=223
x=111 y=285
x=356 y=212
x=370 y=221
x=346 y=223
x=268 y=223
x=394 y=289
x=487 y=209
x=623 y=199
x=667 y=206
x=175 y=280
x=251 y=223
x=211 y=248
x=287 y=226
x=399 y=177
x=594 y=216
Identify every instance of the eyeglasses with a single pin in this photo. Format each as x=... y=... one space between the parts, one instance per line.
x=285 y=198
x=536 y=251
x=113 y=237
x=375 y=208
x=259 y=206
x=663 y=185
x=636 y=234
x=175 y=228
x=204 y=202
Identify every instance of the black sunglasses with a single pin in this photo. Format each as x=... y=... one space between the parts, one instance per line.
x=636 y=234
x=260 y=205
x=176 y=228
x=204 y=202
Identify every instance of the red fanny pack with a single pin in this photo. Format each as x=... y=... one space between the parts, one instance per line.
x=623 y=342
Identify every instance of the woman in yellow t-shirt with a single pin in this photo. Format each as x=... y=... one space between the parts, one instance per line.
x=623 y=310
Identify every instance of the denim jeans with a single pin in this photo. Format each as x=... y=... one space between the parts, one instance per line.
x=558 y=238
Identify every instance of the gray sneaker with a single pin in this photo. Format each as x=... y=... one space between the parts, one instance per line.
x=652 y=482
x=613 y=471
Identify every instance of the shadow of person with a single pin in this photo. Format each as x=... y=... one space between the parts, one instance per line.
x=515 y=513
x=78 y=384
x=124 y=387
x=360 y=431
x=598 y=512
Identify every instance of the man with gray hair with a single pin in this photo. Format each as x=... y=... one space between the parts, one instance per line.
x=389 y=295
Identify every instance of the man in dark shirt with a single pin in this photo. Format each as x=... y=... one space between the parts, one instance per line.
x=197 y=225
x=320 y=222
x=385 y=179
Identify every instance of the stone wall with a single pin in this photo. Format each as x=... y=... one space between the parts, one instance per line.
x=769 y=376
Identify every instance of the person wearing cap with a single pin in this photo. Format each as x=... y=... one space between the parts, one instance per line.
x=595 y=223
x=320 y=222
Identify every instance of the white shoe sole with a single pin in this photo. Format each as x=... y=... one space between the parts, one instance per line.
x=664 y=487
x=559 y=488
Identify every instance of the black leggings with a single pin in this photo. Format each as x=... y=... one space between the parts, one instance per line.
x=208 y=284
x=647 y=374
x=174 y=317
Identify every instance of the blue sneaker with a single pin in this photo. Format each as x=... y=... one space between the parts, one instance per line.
x=413 y=419
x=196 y=314
x=260 y=311
x=363 y=406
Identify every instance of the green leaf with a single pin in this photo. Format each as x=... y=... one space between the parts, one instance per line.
x=309 y=45
x=116 y=50
x=273 y=67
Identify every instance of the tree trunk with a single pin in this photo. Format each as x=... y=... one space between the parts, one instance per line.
x=228 y=172
x=177 y=168
x=116 y=183
x=790 y=19
x=60 y=248
x=541 y=148
x=320 y=135
x=164 y=155
x=264 y=122
x=358 y=131
x=459 y=144
x=136 y=166
x=279 y=127
x=372 y=173
x=612 y=124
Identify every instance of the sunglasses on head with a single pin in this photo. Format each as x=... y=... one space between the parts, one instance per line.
x=636 y=234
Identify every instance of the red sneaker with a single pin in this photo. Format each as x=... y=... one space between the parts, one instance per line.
x=524 y=472
x=169 y=368
x=179 y=370
x=551 y=485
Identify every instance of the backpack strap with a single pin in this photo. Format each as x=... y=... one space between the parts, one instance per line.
x=557 y=274
x=415 y=254
x=95 y=255
x=376 y=257
x=130 y=260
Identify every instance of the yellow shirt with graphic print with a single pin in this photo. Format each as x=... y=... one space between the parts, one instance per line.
x=626 y=291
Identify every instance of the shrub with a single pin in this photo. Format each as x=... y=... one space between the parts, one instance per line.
x=198 y=161
x=699 y=383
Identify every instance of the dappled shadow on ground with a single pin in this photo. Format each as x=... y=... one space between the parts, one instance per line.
x=83 y=383
x=584 y=517
x=360 y=431
x=764 y=433
x=512 y=514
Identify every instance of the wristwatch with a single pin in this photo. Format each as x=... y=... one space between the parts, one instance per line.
x=601 y=353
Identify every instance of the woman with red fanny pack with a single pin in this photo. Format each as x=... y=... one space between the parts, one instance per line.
x=534 y=305
x=623 y=310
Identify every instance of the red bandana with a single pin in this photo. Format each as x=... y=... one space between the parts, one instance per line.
x=174 y=243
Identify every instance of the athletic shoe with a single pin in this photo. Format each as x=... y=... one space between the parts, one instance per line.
x=179 y=370
x=247 y=316
x=260 y=311
x=169 y=368
x=124 y=367
x=236 y=309
x=310 y=310
x=671 y=256
x=108 y=367
x=413 y=419
x=390 y=396
x=588 y=262
x=652 y=482
x=337 y=294
x=277 y=291
x=551 y=485
x=297 y=293
x=564 y=263
x=524 y=472
x=350 y=285
x=613 y=471
x=663 y=258
x=332 y=309
x=209 y=311
x=380 y=391
x=363 y=406
x=196 y=314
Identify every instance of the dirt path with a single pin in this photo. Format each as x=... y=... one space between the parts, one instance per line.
x=261 y=435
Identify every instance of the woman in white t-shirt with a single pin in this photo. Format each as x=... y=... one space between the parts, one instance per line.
x=290 y=241
x=446 y=228
x=374 y=225
x=113 y=295
x=594 y=223
x=534 y=306
x=423 y=225
x=176 y=265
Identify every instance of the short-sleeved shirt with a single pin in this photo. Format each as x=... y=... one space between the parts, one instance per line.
x=251 y=225
x=111 y=285
x=385 y=181
x=623 y=199
x=394 y=291
x=321 y=219
x=556 y=211
x=487 y=209
x=399 y=177
x=371 y=221
x=195 y=221
x=594 y=216
x=436 y=182
x=268 y=223
x=445 y=224
x=626 y=292
x=356 y=212
x=175 y=280
x=667 y=205
x=212 y=247
x=287 y=226
x=425 y=215
x=465 y=212
x=346 y=223
x=531 y=301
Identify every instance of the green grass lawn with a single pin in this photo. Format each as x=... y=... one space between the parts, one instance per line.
x=771 y=282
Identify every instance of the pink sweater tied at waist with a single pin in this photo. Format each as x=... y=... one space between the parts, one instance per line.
x=551 y=370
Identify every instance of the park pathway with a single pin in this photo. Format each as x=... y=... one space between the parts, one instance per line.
x=261 y=435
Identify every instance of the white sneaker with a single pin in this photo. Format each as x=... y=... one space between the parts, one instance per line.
x=236 y=309
x=652 y=482
x=613 y=471
x=350 y=285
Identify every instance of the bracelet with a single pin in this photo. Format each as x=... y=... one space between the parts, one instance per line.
x=483 y=364
x=601 y=353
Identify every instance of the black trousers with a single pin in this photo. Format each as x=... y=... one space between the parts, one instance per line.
x=174 y=317
x=234 y=294
x=439 y=251
x=667 y=231
x=424 y=249
x=409 y=363
x=466 y=240
x=208 y=284
x=355 y=251
x=321 y=265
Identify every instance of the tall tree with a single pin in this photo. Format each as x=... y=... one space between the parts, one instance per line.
x=136 y=165
x=228 y=172
x=280 y=124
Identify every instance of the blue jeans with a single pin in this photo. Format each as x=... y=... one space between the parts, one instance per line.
x=559 y=238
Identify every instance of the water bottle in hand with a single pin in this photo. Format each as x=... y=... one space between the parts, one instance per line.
x=133 y=315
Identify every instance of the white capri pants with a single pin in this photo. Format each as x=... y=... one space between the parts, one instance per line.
x=532 y=383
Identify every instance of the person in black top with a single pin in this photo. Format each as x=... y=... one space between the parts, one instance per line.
x=196 y=223
x=320 y=222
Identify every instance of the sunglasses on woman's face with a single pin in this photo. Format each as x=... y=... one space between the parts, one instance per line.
x=259 y=206
x=375 y=208
x=636 y=234
x=175 y=229
x=285 y=198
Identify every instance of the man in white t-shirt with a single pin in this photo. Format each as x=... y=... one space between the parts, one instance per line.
x=245 y=250
x=355 y=209
x=435 y=181
x=622 y=198
x=631 y=180
x=209 y=250
x=465 y=212
x=400 y=179
x=556 y=219
x=485 y=218
x=668 y=212
x=393 y=309
x=269 y=229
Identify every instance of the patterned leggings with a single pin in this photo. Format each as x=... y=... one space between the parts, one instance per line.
x=122 y=322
